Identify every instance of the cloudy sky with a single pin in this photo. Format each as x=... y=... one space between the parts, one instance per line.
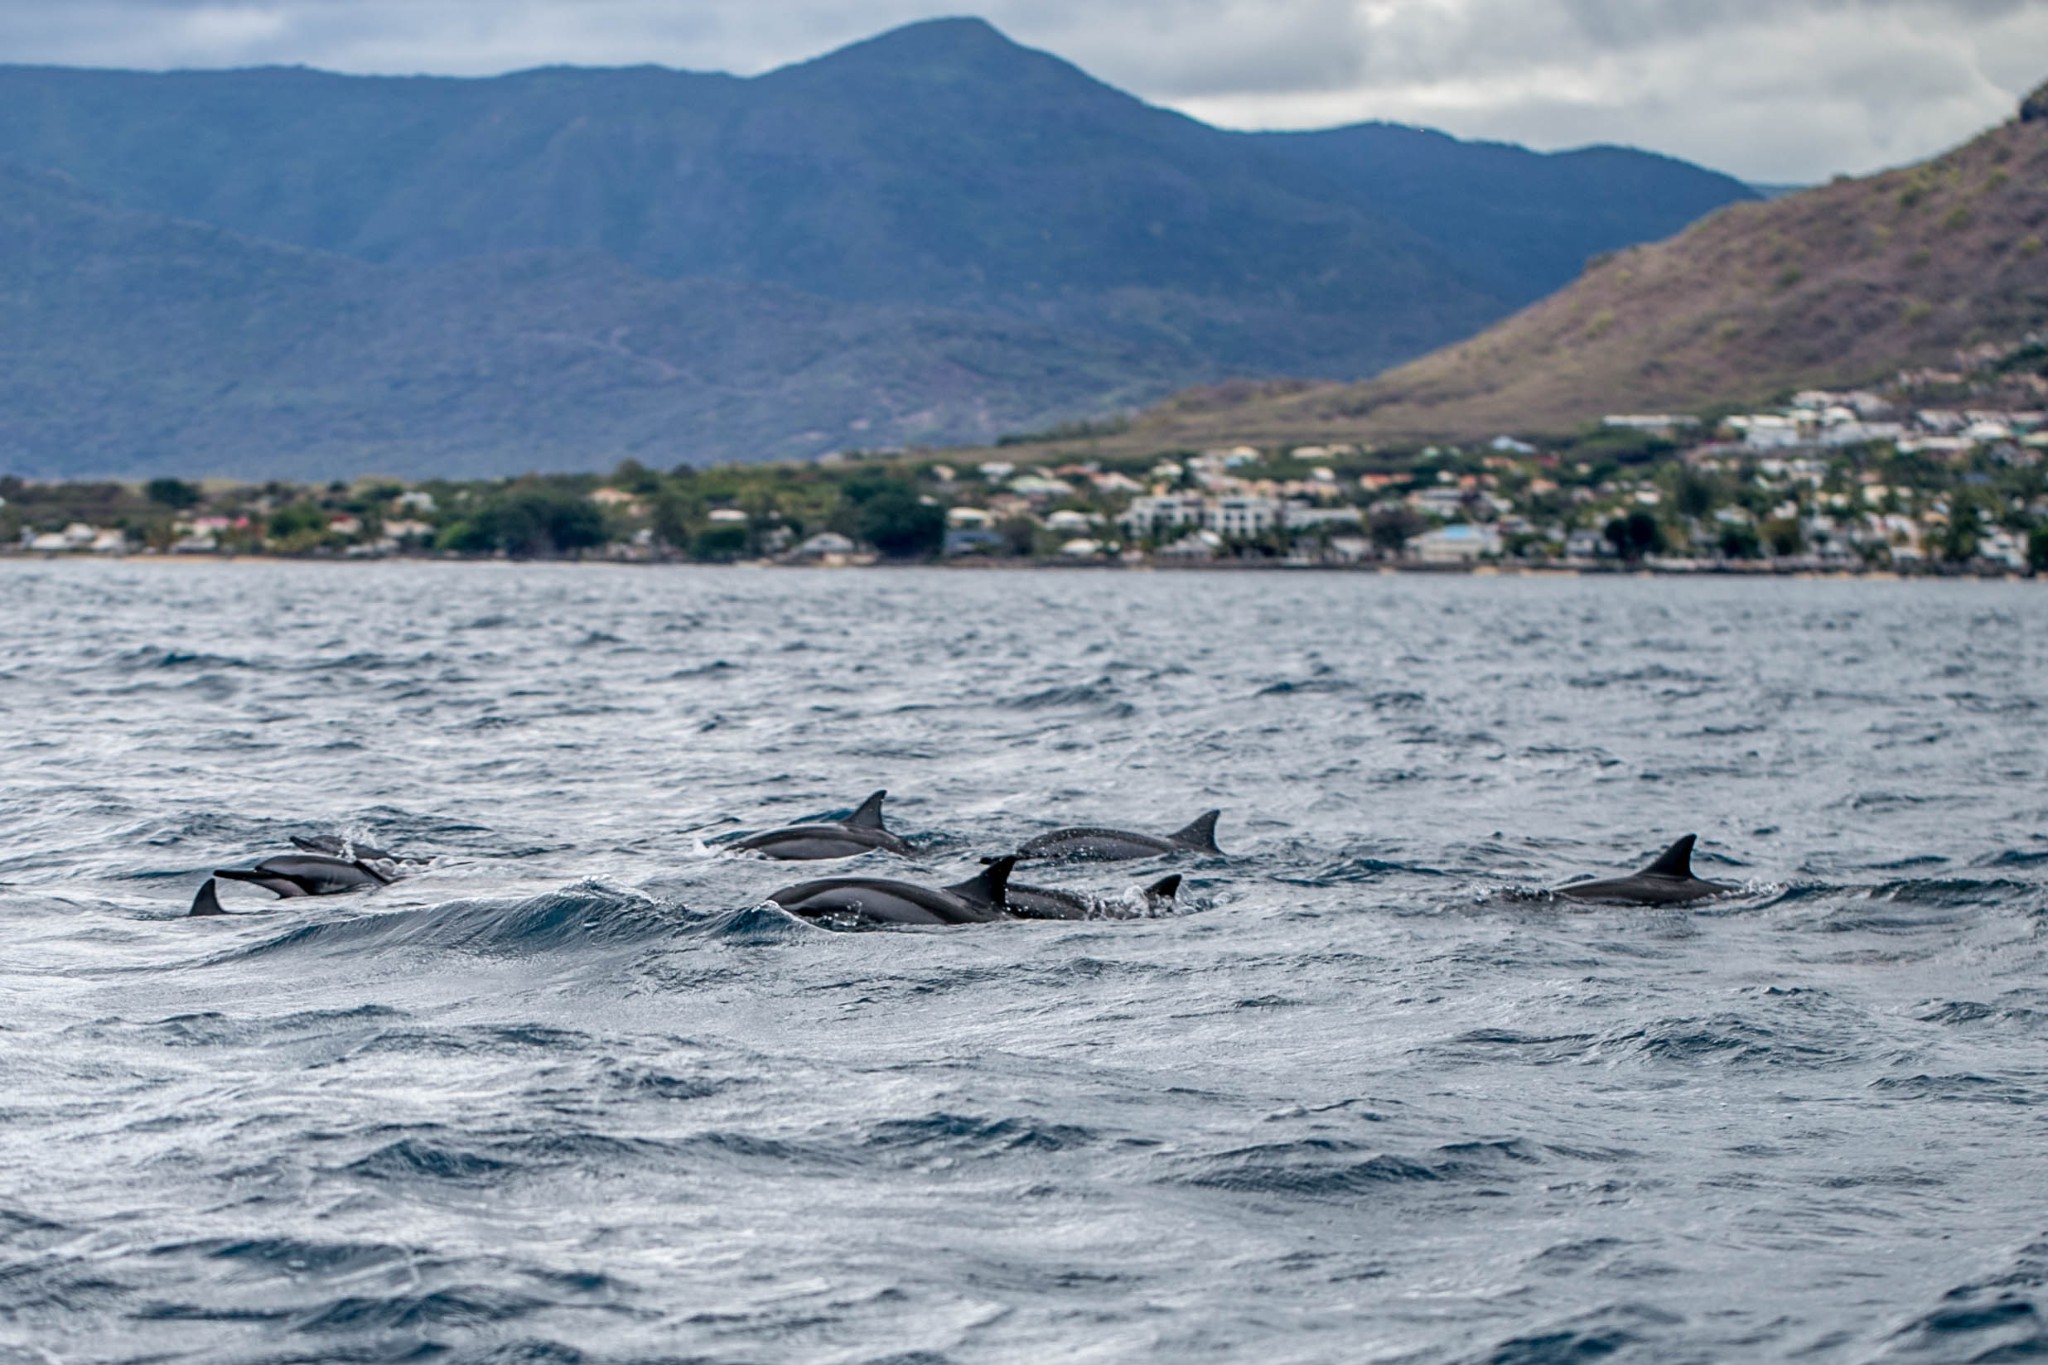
x=1772 y=90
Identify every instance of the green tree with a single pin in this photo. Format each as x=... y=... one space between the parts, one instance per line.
x=1959 y=542
x=719 y=544
x=1020 y=536
x=1635 y=535
x=900 y=525
x=173 y=493
x=1739 y=540
x=466 y=537
x=674 y=511
x=298 y=525
x=1697 y=495
x=1782 y=534
x=1393 y=527
x=542 y=522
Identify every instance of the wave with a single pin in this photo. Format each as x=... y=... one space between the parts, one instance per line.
x=1331 y=1168
x=1099 y=697
x=584 y=915
x=2000 y=1317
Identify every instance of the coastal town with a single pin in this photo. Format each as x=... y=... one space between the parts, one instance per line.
x=1830 y=480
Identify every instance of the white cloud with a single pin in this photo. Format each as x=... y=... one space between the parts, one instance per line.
x=1769 y=89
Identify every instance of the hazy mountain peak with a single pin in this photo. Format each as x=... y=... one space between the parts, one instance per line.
x=934 y=42
x=967 y=52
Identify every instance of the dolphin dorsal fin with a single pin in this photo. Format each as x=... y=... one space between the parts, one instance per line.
x=1165 y=889
x=869 y=816
x=988 y=888
x=1675 y=862
x=1200 y=833
x=207 y=902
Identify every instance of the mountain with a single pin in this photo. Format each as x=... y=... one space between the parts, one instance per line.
x=131 y=343
x=1839 y=285
x=1002 y=238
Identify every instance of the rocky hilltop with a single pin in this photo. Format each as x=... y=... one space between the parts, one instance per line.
x=1835 y=286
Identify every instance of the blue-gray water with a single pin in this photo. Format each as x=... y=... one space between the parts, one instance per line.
x=574 y=1094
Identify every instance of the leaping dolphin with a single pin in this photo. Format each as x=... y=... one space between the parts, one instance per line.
x=877 y=900
x=307 y=874
x=856 y=834
x=1667 y=881
x=1091 y=844
x=1046 y=902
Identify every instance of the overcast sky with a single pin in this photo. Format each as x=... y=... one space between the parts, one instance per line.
x=1772 y=90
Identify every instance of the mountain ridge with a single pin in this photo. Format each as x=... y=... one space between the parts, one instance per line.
x=1087 y=251
x=1833 y=286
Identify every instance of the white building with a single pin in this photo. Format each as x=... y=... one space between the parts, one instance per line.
x=1153 y=517
x=1237 y=517
x=1463 y=544
x=1767 y=431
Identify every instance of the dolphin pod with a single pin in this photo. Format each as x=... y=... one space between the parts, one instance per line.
x=327 y=865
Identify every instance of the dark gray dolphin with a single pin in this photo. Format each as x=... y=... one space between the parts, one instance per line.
x=877 y=900
x=1046 y=902
x=307 y=874
x=1667 y=881
x=1090 y=844
x=856 y=834
x=207 y=902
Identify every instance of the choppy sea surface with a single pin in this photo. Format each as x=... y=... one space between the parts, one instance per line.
x=576 y=1093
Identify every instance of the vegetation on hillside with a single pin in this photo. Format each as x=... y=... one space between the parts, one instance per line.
x=1623 y=496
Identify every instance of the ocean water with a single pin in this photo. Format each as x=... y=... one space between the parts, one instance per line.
x=575 y=1093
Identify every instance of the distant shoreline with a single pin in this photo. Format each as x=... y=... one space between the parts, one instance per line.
x=1379 y=569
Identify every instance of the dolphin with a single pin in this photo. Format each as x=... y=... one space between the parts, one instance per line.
x=207 y=902
x=306 y=874
x=1116 y=845
x=877 y=900
x=1667 y=881
x=1045 y=902
x=847 y=838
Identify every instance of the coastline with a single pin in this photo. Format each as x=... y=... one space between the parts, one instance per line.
x=1680 y=569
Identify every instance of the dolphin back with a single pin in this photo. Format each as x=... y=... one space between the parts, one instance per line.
x=1200 y=834
x=1675 y=861
x=207 y=902
x=869 y=816
x=986 y=890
